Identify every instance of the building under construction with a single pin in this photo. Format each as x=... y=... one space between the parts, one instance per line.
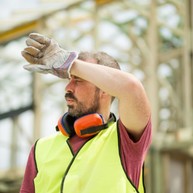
x=152 y=39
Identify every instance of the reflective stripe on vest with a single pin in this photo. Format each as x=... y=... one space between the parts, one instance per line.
x=96 y=168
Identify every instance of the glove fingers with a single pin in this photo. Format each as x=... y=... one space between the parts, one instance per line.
x=37 y=68
x=40 y=38
x=31 y=59
x=33 y=43
x=33 y=51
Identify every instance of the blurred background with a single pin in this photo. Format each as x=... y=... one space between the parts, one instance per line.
x=152 y=39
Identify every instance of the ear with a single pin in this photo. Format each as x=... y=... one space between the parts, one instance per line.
x=105 y=98
x=104 y=94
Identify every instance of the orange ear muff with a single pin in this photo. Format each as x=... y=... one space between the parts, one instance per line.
x=85 y=126
x=88 y=125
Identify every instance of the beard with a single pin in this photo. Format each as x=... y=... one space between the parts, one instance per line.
x=80 y=109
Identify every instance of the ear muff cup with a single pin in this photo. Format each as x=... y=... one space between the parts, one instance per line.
x=66 y=125
x=87 y=125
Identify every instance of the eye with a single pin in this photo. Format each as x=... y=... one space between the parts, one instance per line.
x=78 y=80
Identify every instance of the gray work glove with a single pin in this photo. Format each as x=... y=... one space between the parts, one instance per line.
x=46 y=56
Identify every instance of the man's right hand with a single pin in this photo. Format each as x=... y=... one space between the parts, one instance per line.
x=46 y=56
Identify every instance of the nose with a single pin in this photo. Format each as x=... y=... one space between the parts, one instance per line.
x=70 y=86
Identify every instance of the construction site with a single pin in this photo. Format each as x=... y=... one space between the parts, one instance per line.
x=152 y=39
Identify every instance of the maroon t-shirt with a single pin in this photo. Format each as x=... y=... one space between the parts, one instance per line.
x=132 y=156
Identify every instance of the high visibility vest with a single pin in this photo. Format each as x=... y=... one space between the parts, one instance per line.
x=96 y=167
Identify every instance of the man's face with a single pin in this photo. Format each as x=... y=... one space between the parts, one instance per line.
x=82 y=97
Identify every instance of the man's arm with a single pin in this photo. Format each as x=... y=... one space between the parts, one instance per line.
x=30 y=174
x=134 y=107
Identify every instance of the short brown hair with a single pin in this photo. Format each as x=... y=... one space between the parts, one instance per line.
x=101 y=58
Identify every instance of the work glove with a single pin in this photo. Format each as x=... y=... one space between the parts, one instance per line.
x=46 y=56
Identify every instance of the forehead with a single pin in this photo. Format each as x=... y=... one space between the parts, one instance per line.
x=82 y=81
x=78 y=79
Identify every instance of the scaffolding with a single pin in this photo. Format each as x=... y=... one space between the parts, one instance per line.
x=151 y=39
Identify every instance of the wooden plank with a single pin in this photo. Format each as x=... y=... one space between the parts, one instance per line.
x=18 y=31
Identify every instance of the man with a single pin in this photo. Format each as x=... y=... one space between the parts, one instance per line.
x=110 y=157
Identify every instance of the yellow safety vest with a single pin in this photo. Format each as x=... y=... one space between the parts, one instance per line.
x=96 y=168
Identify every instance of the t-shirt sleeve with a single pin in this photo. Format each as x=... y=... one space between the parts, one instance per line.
x=133 y=153
x=29 y=175
x=137 y=149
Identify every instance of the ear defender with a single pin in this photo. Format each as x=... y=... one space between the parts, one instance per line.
x=85 y=126
x=88 y=125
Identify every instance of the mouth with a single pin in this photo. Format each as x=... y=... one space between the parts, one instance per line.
x=69 y=101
